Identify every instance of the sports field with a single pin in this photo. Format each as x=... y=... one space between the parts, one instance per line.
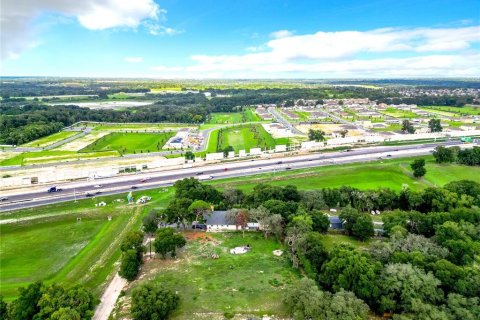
x=51 y=139
x=244 y=138
x=126 y=143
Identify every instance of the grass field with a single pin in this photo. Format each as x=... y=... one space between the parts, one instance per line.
x=40 y=157
x=244 y=138
x=51 y=139
x=126 y=143
x=392 y=112
x=389 y=174
x=138 y=126
x=49 y=244
x=225 y=118
x=466 y=110
x=251 y=116
x=248 y=284
x=302 y=114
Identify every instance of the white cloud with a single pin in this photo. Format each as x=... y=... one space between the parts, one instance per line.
x=418 y=52
x=17 y=18
x=281 y=34
x=134 y=59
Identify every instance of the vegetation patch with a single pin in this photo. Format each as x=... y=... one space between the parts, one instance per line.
x=51 y=139
x=126 y=143
x=244 y=138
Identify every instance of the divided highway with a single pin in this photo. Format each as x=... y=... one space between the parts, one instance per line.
x=149 y=180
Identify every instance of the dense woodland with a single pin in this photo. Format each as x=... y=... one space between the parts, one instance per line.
x=424 y=267
x=24 y=120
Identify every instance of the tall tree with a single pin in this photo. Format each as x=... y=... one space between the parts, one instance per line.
x=435 y=125
x=153 y=302
x=418 y=167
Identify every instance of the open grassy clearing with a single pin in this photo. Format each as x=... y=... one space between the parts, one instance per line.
x=41 y=157
x=51 y=139
x=251 y=116
x=396 y=113
x=49 y=244
x=380 y=174
x=440 y=112
x=248 y=284
x=302 y=114
x=225 y=118
x=125 y=143
x=245 y=138
x=466 y=110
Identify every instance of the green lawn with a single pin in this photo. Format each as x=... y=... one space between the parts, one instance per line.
x=138 y=126
x=248 y=284
x=130 y=142
x=48 y=140
x=302 y=114
x=251 y=116
x=38 y=157
x=386 y=174
x=392 y=112
x=244 y=138
x=466 y=110
x=225 y=118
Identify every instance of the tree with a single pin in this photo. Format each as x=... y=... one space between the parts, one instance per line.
x=321 y=223
x=304 y=300
x=444 y=155
x=133 y=240
x=150 y=222
x=363 y=227
x=199 y=208
x=270 y=224
x=233 y=197
x=407 y=127
x=189 y=155
x=177 y=211
x=296 y=238
x=65 y=314
x=349 y=216
x=153 y=302
x=227 y=150
x=316 y=135
x=312 y=199
x=316 y=254
x=26 y=305
x=402 y=283
x=285 y=209
x=130 y=265
x=3 y=308
x=62 y=301
x=351 y=270
x=418 y=167
x=343 y=133
x=167 y=241
x=238 y=217
x=435 y=125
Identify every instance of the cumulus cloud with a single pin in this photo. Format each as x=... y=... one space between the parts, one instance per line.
x=17 y=18
x=134 y=59
x=427 y=52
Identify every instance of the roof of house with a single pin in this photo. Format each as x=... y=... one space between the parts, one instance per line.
x=217 y=218
x=335 y=219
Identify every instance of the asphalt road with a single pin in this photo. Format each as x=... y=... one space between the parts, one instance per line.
x=150 y=180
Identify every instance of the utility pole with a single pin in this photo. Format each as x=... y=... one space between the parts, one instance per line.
x=75 y=194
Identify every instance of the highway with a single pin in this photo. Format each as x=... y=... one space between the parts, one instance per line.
x=148 y=180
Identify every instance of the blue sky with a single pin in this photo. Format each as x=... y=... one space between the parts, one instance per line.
x=240 y=39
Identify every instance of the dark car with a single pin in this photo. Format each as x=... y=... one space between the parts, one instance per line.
x=279 y=162
x=88 y=195
x=3 y=198
x=134 y=187
x=199 y=173
x=288 y=168
x=199 y=227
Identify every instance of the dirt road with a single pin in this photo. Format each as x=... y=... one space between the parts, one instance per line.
x=109 y=297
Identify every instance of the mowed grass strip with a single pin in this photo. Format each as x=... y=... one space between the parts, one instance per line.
x=51 y=139
x=126 y=143
x=48 y=156
x=225 y=118
x=245 y=137
x=251 y=283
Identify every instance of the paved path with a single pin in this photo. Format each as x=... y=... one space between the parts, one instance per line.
x=109 y=297
x=284 y=121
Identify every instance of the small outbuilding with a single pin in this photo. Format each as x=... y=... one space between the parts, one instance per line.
x=335 y=223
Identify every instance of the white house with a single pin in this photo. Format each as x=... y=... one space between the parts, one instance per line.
x=217 y=222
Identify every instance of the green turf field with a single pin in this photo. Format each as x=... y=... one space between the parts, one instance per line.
x=48 y=140
x=126 y=143
x=251 y=116
x=244 y=138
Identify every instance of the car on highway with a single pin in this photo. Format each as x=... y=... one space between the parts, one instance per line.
x=288 y=168
x=279 y=162
x=54 y=189
x=133 y=187
x=3 y=198
x=88 y=195
x=97 y=186
x=389 y=155
x=144 y=180
x=225 y=169
x=98 y=191
x=199 y=173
